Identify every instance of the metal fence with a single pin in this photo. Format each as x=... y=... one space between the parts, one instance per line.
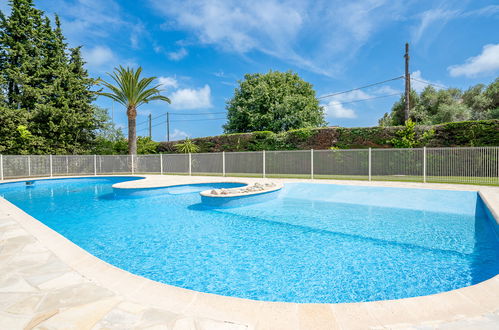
x=453 y=165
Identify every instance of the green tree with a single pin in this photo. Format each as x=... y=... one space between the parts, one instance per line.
x=433 y=106
x=146 y=146
x=66 y=118
x=396 y=116
x=21 y=46
x=46 y=88
x=132 y=91
x=275 y=101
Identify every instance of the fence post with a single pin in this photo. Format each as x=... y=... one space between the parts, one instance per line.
x=1 y=167
x=312 y=163
x=424 y=164
x=370 y=164
x=67 y=164
x=223 y=163
x=50 y=161
x=161 y=163
x=133 y=167
x=190 y=164
x=29 y=166
x=95 y=165
x=263 y=156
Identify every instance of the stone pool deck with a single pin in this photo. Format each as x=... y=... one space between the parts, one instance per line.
x=47 y=282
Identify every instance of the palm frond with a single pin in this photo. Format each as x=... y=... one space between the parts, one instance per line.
x=130 y=89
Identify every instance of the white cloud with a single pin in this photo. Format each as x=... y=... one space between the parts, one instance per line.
x=434 y=20
x=335 y=109
x=168 y=82
x=490 y=10
x=485 y=63
x=437 y=17
x=178 y=55
x=282 y=28
x=137 y=32
x=88 y=22
x=98 y=56
x=188 y=98
x=178 y=135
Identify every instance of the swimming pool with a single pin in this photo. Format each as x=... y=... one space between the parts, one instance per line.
x=309 y=243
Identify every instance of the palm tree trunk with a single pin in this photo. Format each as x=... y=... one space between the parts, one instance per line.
x=132 y=131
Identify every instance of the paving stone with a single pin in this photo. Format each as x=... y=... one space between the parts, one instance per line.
x=185 y=324
x=25 y=306
x=207 y=324
x=153 y=316
x=131 y=307
x=13 y=321
x=67 y=279
x=73 y=296
x=14 y=283
x=80 y=317
x=118 y=319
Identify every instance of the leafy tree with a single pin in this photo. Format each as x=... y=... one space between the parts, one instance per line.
x=146 y=146
x=109 y=140
x=397 y=115
x=47 y=90
x=132 y=91
x=475 y=99
x=433 y=106
x=187 y=147
x=275 y=101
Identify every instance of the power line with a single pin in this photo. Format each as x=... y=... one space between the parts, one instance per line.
x=369 y=98
x=197 y=114
x=362 y=87
x=182 y=114
x=164 y=122
x=429 y=83
x=197 y=119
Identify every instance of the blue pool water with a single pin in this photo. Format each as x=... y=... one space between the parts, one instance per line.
x=307 y=243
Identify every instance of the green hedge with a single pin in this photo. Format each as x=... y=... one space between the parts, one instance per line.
x=458 y=134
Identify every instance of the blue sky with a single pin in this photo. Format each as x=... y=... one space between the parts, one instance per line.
x=199 y=49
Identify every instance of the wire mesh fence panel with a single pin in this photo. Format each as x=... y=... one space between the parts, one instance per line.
x=176 y=163
x=112 y=164
x=39 y=165
x=60 y=165
x=73 y=165
x=207 y=163
x=248 y=163
x=341 y=164
x=479 y=165
x=16 y=166
x=397 y=164
x=148 y=163
x=288 y=163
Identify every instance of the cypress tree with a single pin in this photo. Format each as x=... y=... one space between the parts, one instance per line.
x=46 y=92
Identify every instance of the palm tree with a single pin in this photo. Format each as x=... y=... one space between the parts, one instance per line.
x=132 y=91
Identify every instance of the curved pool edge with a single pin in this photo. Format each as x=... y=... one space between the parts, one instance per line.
x=465 y=303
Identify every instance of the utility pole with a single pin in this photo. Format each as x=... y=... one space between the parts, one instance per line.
x=168 y=126
x=112 y=113
x=150 y=126
x=407 y=83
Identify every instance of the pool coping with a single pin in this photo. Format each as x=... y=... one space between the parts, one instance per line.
x=469 y=302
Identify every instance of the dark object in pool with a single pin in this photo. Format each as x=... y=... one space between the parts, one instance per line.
x=30 y=183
